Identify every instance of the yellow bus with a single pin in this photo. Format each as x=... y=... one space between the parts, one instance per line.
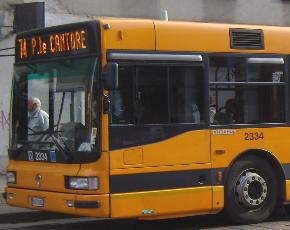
x=148 y=119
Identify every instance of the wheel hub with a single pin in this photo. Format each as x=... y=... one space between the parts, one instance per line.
x=251 y=189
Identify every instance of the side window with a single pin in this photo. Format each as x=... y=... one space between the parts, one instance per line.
x=158 y=95
x=247 y=101
x=225 y=105
x=186 y=94
x=261 y=72
x=225 y=69
x=264 y=104
x=122 y=98
x=151 y=101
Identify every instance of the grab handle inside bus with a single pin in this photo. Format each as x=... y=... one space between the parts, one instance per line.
x=110 y=76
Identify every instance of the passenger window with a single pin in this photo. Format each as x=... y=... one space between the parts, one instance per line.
x=186 y=94
x=264 y=104
x=158 y=95
x=265 y=73
x=151 y=101
x=248 y=102
x=122 y=98
x=226 y=69
x=225 y=109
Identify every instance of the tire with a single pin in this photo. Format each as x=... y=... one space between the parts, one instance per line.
x=251 y=190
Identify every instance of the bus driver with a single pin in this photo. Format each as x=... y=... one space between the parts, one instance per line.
x=38 y=119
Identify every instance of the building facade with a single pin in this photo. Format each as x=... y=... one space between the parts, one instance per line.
x=267 y=12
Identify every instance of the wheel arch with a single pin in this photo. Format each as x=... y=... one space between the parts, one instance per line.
x=269 y=157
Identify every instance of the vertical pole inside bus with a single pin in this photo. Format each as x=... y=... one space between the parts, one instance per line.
x=52 y=90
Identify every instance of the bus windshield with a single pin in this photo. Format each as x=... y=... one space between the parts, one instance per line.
x=53 y=107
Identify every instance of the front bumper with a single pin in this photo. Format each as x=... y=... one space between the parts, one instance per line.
x=85 y=205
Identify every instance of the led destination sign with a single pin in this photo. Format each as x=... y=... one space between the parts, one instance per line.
x=60 y=41
x=52 y=44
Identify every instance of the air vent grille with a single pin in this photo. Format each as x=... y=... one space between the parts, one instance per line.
x=247 y=39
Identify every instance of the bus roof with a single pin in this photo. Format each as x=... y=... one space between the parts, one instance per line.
x=140 y=34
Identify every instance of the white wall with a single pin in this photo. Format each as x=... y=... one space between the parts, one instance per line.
x=270 y=12
x=5 y=86
x=6 y=63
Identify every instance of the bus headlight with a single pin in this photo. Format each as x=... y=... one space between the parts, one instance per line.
x=84 y=183
x=11 y=177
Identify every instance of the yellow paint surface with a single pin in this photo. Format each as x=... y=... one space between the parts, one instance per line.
x=164 y=202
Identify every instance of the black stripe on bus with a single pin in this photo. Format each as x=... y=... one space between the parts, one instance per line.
x=160 y=180
x=170 y=180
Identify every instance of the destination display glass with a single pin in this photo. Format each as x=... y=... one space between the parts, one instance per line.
x=63 y=41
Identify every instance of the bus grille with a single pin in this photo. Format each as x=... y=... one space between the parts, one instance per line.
x=247 y=39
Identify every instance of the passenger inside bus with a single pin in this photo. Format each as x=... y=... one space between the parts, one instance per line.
x=226 y=114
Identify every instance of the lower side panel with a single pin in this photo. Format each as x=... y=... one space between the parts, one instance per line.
x=168 y=203
x=287 y=192
x=144 y=205
x=218 y=198
x=57 y=202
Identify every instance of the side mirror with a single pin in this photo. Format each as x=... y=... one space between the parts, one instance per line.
x=110 y=76
x=106 y=104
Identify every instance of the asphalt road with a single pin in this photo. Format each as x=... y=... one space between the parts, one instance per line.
x=52 y=221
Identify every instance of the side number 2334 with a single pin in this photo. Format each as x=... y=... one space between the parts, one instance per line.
x=254 y=136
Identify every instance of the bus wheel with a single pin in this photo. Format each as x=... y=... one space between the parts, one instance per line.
x=251 y=190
